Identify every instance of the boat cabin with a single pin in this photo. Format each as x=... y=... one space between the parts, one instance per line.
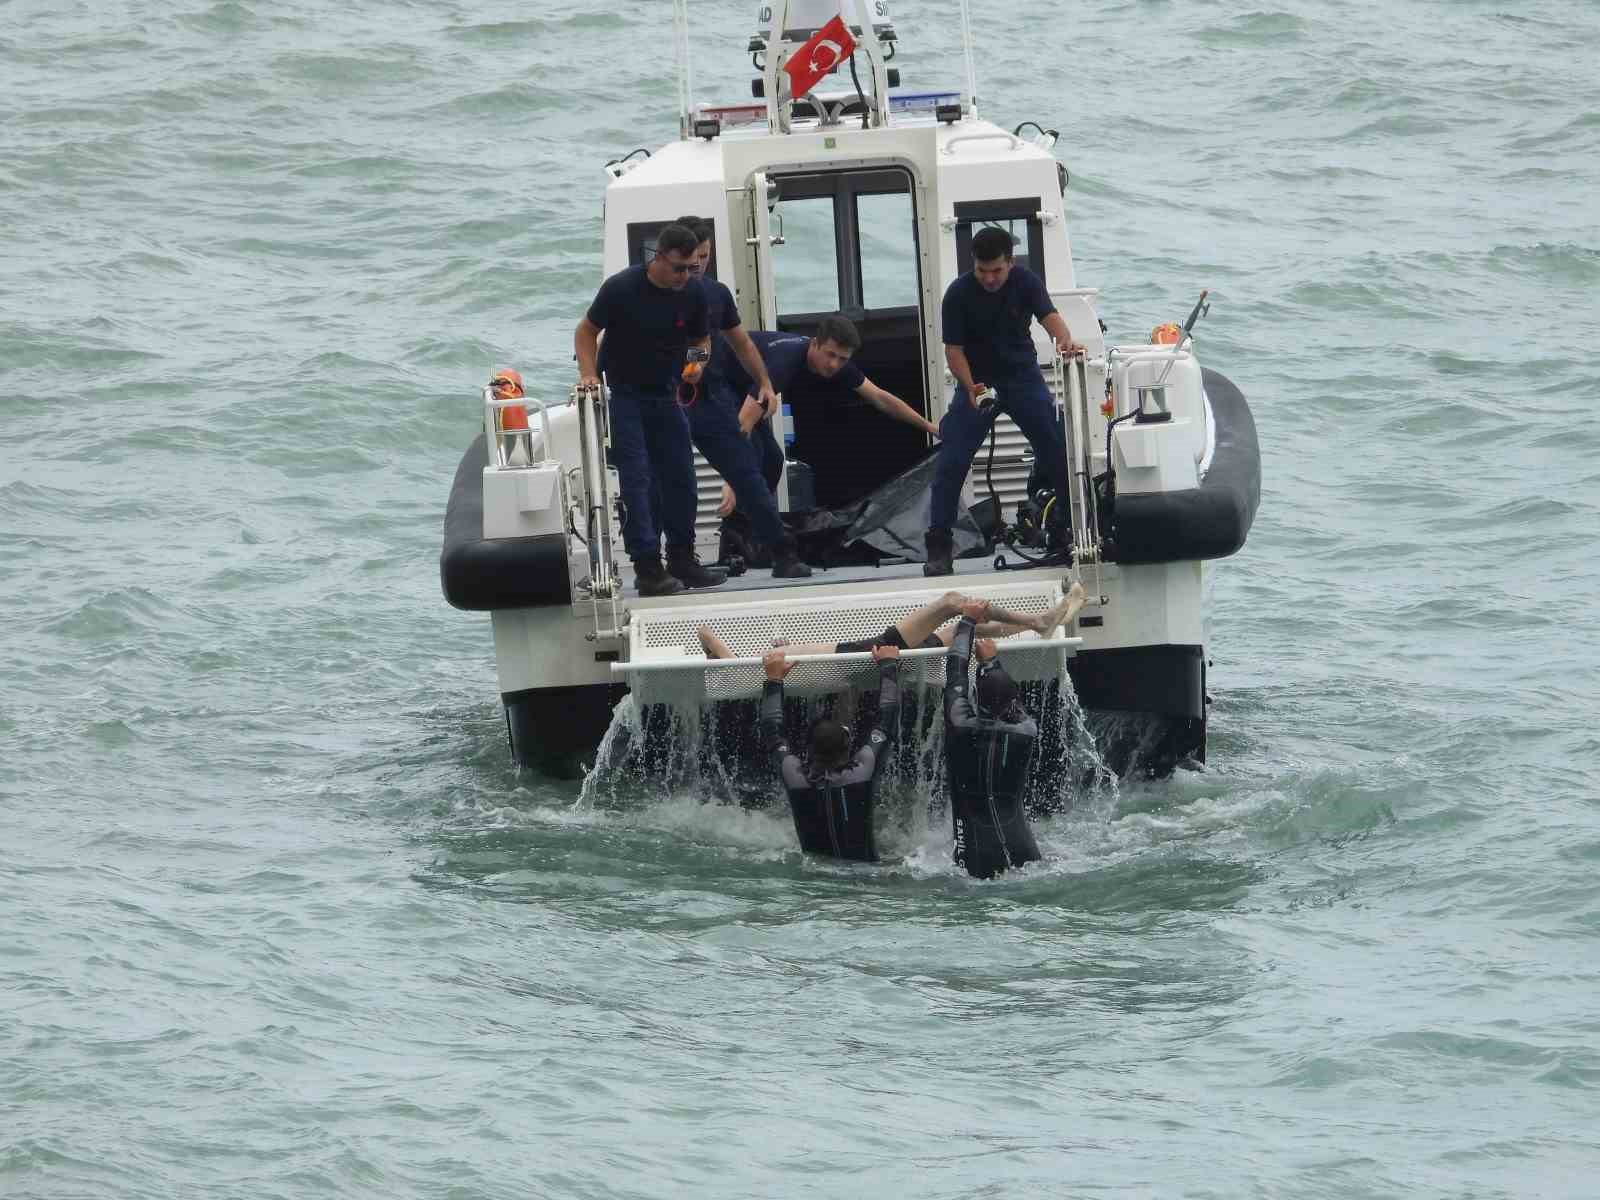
x=865 y=208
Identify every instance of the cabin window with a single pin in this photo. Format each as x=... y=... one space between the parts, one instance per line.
x=808 y=260
x=1018 y=216
x=642 y=243
x=886 y=242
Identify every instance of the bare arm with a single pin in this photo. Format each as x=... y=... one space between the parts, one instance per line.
x=892 y=406
x=753 y=411
x=587 y=344
x=956 y=359
x=1056 y=326
x=750 y=358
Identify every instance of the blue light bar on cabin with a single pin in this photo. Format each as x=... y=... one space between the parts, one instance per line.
x=733 y=115
x=922 y=101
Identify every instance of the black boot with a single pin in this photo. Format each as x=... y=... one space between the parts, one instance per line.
x=738 y=538
x=732 y=543
x=652 y=578
x=682 y=563
x=786 y=563
x=941 y=549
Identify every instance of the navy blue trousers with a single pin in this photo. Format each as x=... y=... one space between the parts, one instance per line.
x=766 y=444
x=1025 y=398
x=651 y=450
x=746 y=463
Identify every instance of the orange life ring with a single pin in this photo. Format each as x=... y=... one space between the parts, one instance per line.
x=507 y=385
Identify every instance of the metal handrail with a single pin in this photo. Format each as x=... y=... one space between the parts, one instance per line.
x=593 y=437
x=1073 y=386
x=950 y=146
x=492 y=429
x=1120 y=361
x=1092 y=541
x=1006 y=646
x=1146 y=354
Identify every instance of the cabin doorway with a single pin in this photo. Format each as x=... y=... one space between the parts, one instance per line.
x=846 y=242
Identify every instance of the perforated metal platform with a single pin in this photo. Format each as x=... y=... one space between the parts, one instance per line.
x=667 y=665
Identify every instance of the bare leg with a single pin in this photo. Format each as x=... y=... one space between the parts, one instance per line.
x=1003 y=623
x=1063 y=613
x=793 y=648
x=714 y=646
x=916 y=628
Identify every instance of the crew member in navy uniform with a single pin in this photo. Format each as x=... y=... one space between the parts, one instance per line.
x=714 y=423
x=989 y=749
x=987 y=314
x=796 y=362
x=831 y=792
x=812 y=365
x=651 y=315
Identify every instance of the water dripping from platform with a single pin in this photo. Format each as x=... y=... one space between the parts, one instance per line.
x=660 y=753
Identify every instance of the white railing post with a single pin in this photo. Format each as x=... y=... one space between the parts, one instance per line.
x=966 y=49
x=682 y=51
x=771 y=71
x=593 y=437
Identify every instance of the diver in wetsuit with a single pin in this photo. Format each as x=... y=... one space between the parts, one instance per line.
x=988 y=750
x=831 y=793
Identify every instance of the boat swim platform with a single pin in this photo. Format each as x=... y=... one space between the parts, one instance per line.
x=666 y=664
x=970 y=573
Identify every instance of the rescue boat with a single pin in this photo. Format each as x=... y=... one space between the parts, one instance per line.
x=861 y=197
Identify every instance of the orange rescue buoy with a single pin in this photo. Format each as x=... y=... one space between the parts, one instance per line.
x=507 y=385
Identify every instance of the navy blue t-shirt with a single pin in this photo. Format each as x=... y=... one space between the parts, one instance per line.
x=721 y=311
x=647 y=328
x=722 y=314
x=785 y=356
x=992 y=327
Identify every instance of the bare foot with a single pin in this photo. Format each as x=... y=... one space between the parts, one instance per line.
x=1063 y=613
x=714 y=646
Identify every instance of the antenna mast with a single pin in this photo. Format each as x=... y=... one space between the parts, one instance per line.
x=683 y=51
x=966 y=50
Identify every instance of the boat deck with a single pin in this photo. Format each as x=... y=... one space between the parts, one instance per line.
x=895 y=576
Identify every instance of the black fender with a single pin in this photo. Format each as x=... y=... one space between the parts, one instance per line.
x=480 y=574
x=1209 y=521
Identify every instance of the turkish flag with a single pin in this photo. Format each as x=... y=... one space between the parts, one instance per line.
x=828 y=47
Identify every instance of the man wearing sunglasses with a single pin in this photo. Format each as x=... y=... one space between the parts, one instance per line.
x=651 y=316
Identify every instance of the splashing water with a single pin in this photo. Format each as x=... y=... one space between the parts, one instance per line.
x=658 y=754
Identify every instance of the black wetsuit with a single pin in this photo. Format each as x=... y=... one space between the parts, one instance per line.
x=987 y=763
x=833 y=809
